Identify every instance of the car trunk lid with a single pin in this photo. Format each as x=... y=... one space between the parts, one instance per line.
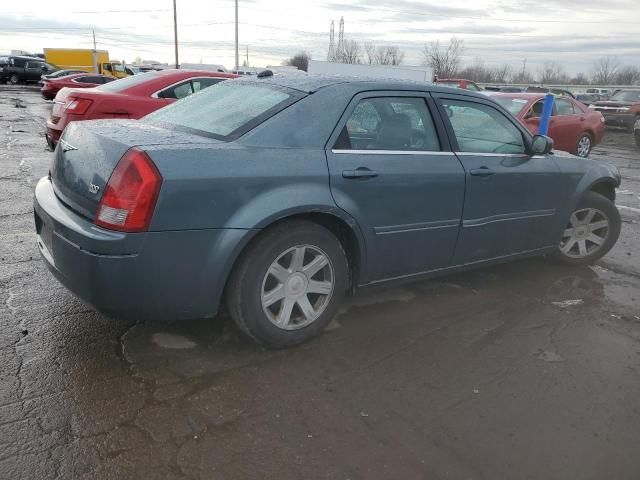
x=89 y=151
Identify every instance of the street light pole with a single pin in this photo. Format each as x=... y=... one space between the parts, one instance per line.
x=175 y=31
x=237 y=55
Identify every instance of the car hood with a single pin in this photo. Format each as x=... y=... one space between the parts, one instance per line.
x=572 y=163
x=611 y=103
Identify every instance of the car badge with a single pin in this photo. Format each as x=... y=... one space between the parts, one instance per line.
x=66 y=146
x=93 y=188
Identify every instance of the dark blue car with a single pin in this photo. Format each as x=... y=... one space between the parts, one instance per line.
x=278 y=195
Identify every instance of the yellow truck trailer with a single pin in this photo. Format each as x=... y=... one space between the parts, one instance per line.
x=93 y=61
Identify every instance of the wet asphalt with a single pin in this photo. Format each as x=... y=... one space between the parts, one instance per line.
x=527 y=370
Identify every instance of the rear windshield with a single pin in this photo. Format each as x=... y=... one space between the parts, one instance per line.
x=627 y=96
x=514 y=105
x=225 y=110
x=126 y=82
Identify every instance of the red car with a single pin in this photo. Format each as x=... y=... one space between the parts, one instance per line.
x=573 y=127
x=459 y=83
x=51 y=86
x=130 y=97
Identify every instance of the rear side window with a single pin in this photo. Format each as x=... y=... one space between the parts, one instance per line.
x=389 y=123
x=204 y=82
x=89 y=79
x=225 y=110
x=564 y=107
x=480 y=128
x=178 y=91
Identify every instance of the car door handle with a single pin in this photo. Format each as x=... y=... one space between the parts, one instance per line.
x=360 y=172
x=482 y=172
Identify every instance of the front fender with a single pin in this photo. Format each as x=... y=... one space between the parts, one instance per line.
x=581 y=176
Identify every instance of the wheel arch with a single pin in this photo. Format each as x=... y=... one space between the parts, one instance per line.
x=336 y=221
x=604 y=187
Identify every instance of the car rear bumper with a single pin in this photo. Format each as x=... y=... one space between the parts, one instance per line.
x=154 y=275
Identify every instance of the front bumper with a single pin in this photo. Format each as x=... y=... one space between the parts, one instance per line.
x=154 y=275
x=619 y=119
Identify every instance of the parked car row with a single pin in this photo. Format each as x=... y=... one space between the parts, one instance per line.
x=278 y=195
x=621 y=110
x=52 y=85
x=573 y=127
x=131 y=97
x=16 y=69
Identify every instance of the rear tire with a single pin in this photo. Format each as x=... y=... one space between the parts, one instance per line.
x=592 y=230
x=14 y=79
x=584 y=145
x=287 y=286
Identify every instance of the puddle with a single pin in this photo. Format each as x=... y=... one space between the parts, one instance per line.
x=171 y=341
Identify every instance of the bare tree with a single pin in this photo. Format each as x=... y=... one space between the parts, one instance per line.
x=627 y=75
x=381 y=55
x=480 y=72
x=501 y=74
x=395 y=55
x=351 y=52
x=299 y=60
x=604 y=70
x=445 y=61
x=579 y=79
x=370 y=52
x=552 y=72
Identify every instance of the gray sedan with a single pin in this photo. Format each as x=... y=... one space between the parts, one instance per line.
x=280 y=195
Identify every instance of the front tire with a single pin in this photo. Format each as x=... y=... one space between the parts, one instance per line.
x=14 y=79
x=585 y=143
x=287 y=286
x=593 y=229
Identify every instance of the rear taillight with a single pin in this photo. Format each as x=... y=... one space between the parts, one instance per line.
x=130 y=195
x=77 y=106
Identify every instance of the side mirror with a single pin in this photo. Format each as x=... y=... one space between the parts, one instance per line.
x=45 y=68
x=541 y=145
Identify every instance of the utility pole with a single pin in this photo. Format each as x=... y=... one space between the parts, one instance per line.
x=247 y=56
x=237 y=55
x=175 y=31
x=95 y=52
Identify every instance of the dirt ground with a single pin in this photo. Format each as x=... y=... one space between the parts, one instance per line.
x=523 y=371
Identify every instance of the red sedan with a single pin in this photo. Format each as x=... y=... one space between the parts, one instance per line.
x=130 y=97
x=573 y=127
x=51 y=86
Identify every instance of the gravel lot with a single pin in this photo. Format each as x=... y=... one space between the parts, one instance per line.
x=523 y=371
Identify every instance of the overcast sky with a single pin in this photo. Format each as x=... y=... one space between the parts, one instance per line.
x=572 y=32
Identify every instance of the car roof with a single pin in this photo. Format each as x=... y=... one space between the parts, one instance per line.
x=313 y=83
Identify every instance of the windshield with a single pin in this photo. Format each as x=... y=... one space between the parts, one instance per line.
x=627 y=96
x=127 y=82
x=513 y=105
x=224 y=109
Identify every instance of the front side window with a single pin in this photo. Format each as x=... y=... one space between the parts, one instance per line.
x=480 y=128
x=390 y=123
x=225 y=110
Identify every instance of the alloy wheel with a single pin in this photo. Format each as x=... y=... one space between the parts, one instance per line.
x=586 y=233
x=584 y=146
x=297 y=287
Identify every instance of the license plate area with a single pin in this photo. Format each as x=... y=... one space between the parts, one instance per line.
x=45 y=236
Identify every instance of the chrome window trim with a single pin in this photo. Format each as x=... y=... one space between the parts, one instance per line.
x=190 y=79
x=485 y=154
x=340 y=151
